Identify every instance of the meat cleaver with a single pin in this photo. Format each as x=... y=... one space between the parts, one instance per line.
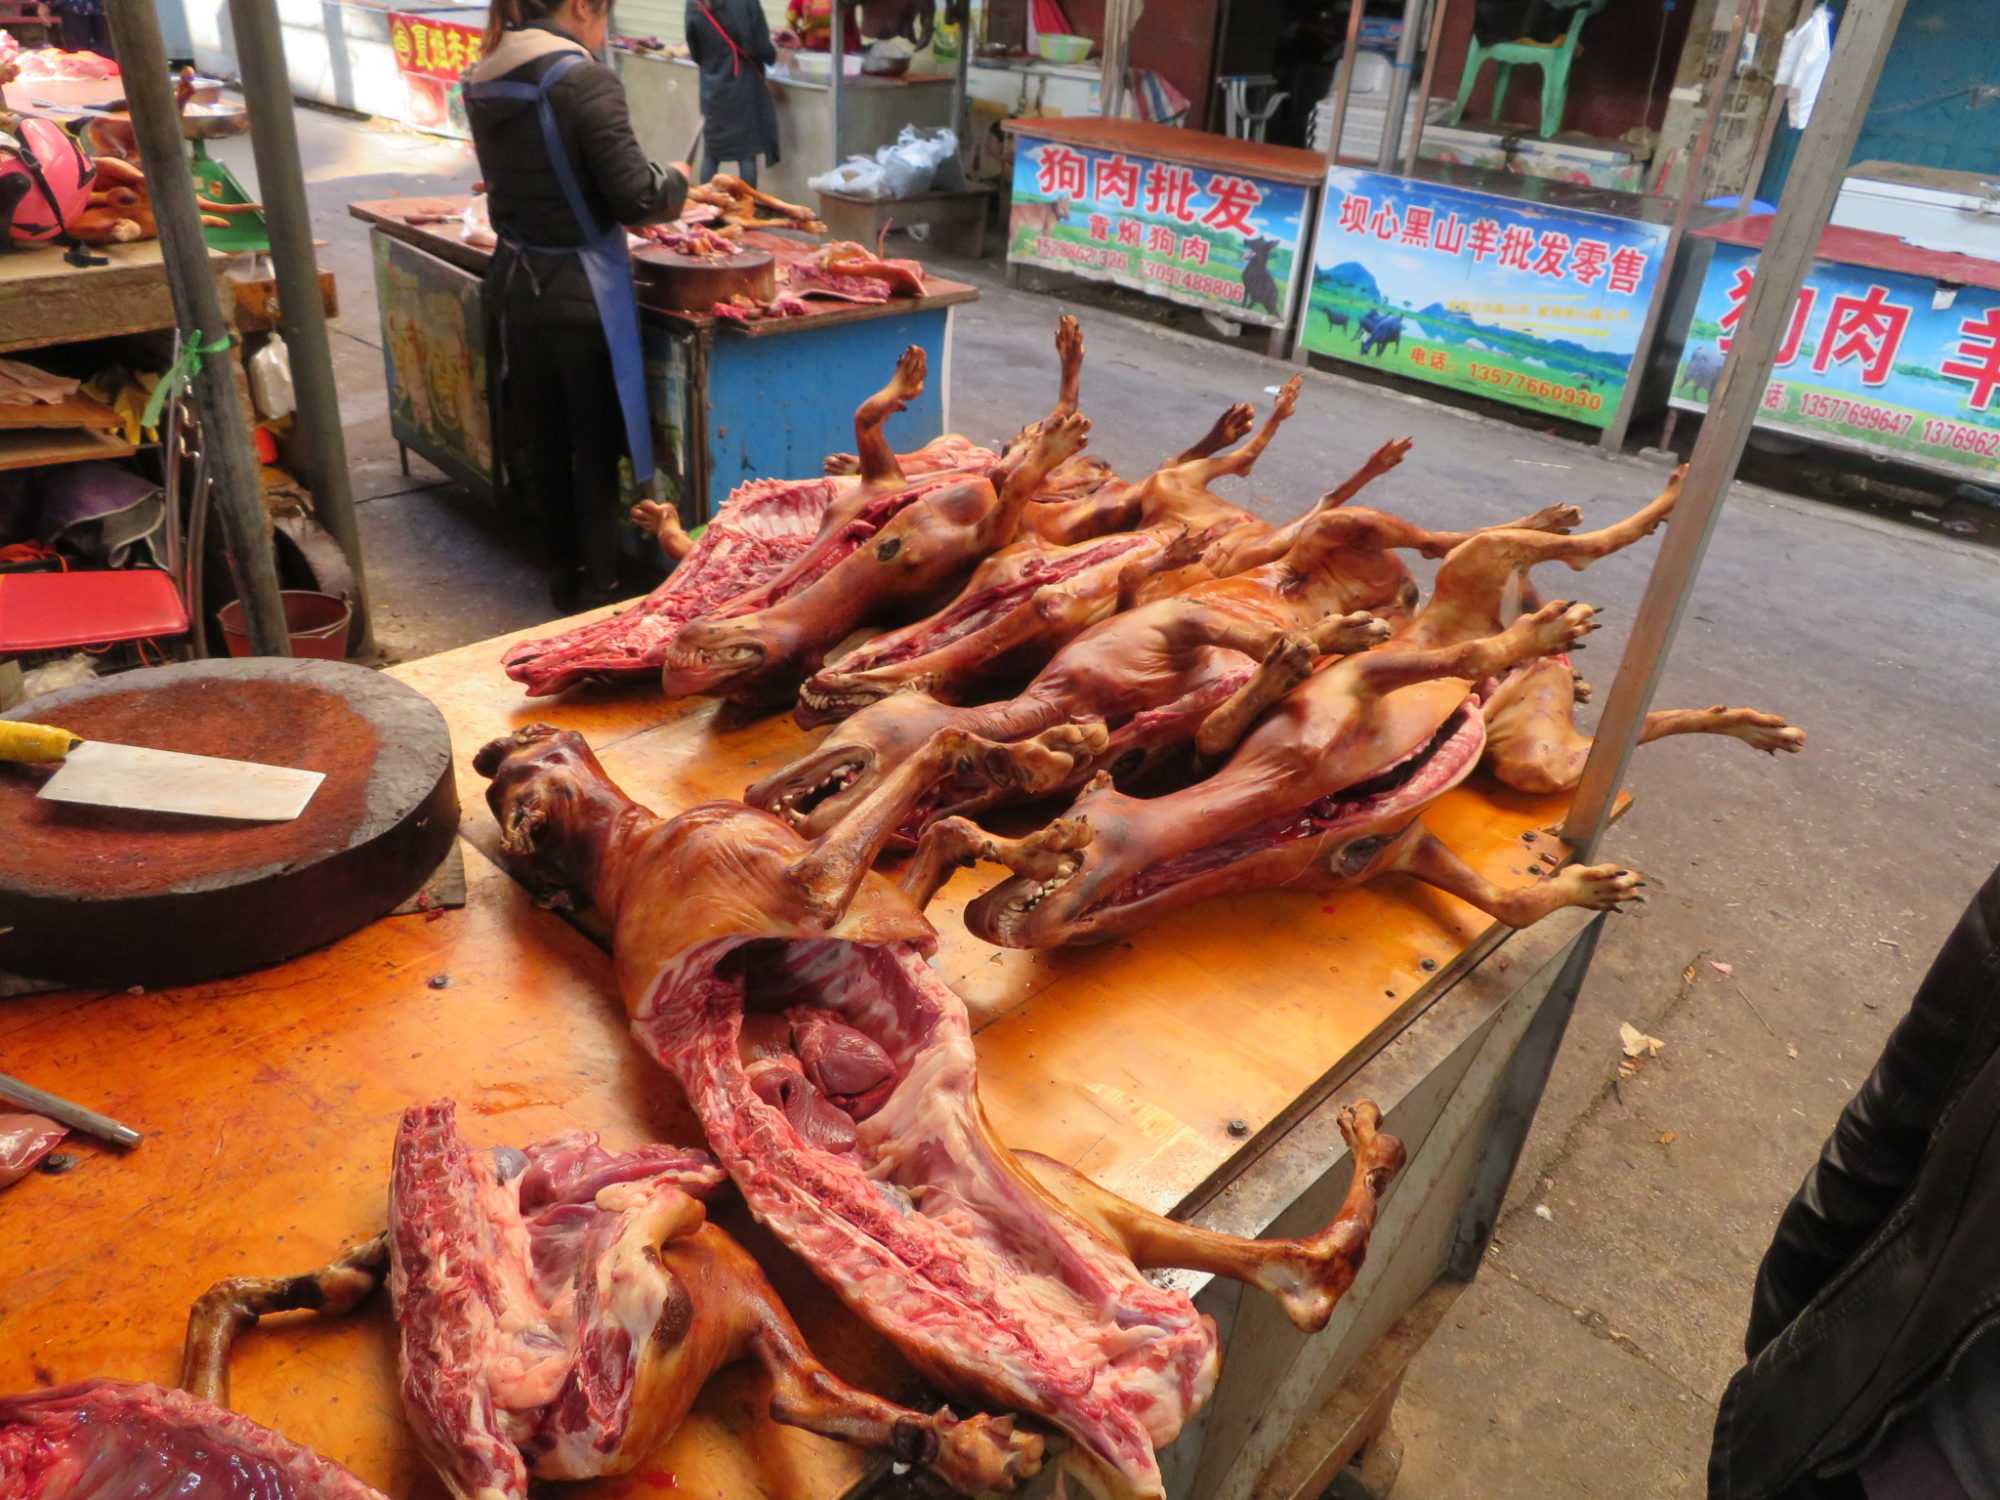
x=158 y=780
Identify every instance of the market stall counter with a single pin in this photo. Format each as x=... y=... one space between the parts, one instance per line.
x=731 y=401
x=1208 y=221
x=1893 y=350
x=1165 y=1067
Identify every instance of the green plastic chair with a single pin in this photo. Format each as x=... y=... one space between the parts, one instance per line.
x=1553 y=58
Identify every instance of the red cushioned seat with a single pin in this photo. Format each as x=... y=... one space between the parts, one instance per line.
x=51 y=611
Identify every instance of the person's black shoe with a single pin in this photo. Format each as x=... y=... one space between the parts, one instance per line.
x=564 y=587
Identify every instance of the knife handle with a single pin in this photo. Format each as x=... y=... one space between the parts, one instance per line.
x=32 y=744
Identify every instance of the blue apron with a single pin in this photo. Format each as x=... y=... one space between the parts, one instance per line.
x=607 y=262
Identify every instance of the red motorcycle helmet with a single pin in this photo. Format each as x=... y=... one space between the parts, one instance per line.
x=45 y=181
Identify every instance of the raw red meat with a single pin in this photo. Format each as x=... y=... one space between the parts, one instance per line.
x=763 y=526
x=24 y=1141
x=109 y=1440
x=1011 y=1281
x=561 y=1308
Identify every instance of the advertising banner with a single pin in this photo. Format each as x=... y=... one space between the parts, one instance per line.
x=1874 y=360
x=1216 y=240
x=431 y=53
x=1529 y=303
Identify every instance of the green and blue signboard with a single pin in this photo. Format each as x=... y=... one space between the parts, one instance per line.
x=1882 y=361
x=1218 y=240
x=1534 y=304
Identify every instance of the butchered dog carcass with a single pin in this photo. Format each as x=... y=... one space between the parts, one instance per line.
x=1008 y=1280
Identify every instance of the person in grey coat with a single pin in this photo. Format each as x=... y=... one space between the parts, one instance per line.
x=730 y=42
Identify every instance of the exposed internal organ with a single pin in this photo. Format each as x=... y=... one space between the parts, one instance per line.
x=114 y=1440
x=745 y=951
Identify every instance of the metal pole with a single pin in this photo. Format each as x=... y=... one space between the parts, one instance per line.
x=1621 y=420
x=1866 y=30
x=1344 y=80
x=1431 y=46
x=239 y=489
x=964 y=12
x=837 y=77
x=1399 y=85
x=274 y=139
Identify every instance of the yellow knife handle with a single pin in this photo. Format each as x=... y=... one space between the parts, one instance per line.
x=33 y=744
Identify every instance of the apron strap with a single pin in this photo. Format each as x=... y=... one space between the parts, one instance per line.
x=606 y=261
x=586 y=221
x=735 y=52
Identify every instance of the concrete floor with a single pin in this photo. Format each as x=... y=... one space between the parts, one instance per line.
x=1588 y=1358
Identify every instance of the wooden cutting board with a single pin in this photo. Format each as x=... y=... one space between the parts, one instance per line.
x=691 y=283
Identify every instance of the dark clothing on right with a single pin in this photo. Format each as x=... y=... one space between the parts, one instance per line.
x=1886 y=1264
x=739 y=119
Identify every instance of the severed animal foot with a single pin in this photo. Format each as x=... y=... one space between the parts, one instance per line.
x=980 y=1453
x=1595 y=887
x=1307 y=1276
x=663 y=524
x=1037 y=766
x=1555 y=627
x=1288 y=399
x=1231 y=427
x=1343 y=635
x=1562 y=519
x=1760 y=731
x=1047 y=855
x=911 y=368
x=1060 y=440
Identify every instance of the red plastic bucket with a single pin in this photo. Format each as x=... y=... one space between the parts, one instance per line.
x=316 y=622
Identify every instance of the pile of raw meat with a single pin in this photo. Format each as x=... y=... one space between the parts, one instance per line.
x=44 y=64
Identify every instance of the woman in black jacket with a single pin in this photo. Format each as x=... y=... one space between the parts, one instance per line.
x=730 y=42
x=564 y=178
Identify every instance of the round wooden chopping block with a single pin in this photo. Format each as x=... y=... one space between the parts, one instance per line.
x=692 y=283
x=114 y=896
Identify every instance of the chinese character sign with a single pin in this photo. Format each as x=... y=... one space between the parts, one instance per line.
x=1867 y=361
x=1529 y=303
x=1213 y=239
x=431 y=54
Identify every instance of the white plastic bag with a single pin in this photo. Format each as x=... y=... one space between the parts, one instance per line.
x=1802 y=65
x=271 y=379
x=475 y=228
x=911 y=165
x=857 y=177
